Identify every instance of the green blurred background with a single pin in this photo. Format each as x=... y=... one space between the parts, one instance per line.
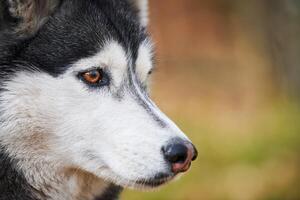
x=228 y=74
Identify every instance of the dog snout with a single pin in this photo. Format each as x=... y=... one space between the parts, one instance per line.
x=180 y=155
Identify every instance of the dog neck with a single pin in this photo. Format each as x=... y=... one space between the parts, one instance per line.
x=30 y=170
x=46 y=181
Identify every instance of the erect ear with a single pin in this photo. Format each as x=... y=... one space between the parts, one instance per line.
x=26 y=16
x=142 y=8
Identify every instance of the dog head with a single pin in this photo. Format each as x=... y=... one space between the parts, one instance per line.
x=78 y=75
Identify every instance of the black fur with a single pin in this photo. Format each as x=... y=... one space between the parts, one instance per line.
x=112 y=193
x=13 y=185
x=76 y=29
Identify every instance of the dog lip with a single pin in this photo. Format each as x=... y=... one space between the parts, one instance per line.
x=186 y=168
x=158 y=180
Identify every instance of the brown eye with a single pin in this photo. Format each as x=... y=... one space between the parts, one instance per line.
x=93 y=76
x=150 y=72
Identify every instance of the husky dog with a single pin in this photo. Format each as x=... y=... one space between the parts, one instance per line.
x=76 y=121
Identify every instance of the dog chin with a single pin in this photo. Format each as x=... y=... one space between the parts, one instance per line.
x=154 y=182
x=144 y=184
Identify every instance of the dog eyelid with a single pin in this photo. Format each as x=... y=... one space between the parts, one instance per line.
x=94 y=77
x=151 y=71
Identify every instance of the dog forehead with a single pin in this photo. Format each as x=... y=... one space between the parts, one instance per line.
x=81 y=29
x=112 y=56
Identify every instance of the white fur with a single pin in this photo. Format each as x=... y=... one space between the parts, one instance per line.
x=112 y=55
x=142 y=6
x=144 y=60
x=59 y=123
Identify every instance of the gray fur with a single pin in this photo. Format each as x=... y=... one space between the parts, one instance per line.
x=32 y=14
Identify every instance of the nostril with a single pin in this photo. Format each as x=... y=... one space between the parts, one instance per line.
x=175 y=153
x=195 y=154
x=180 y=155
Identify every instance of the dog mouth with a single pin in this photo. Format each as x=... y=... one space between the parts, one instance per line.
x=156 y=181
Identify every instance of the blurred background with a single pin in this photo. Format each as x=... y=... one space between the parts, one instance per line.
x=228 y=74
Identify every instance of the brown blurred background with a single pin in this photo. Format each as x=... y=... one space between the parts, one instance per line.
x=228 y=73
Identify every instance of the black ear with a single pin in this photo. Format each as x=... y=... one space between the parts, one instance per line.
x=25 y=16
x=142 y=8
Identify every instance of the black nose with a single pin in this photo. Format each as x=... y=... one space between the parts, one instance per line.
x=195 y=155
x=180 y=155
x=176 y=153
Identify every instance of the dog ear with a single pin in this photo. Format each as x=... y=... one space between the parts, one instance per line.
x=142 y=8
x=25 y=16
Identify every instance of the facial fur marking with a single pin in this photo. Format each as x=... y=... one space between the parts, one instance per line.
x=138 y=76
x=142 y=6
x=143 y=99
x=112 y=56
x=144 y=62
